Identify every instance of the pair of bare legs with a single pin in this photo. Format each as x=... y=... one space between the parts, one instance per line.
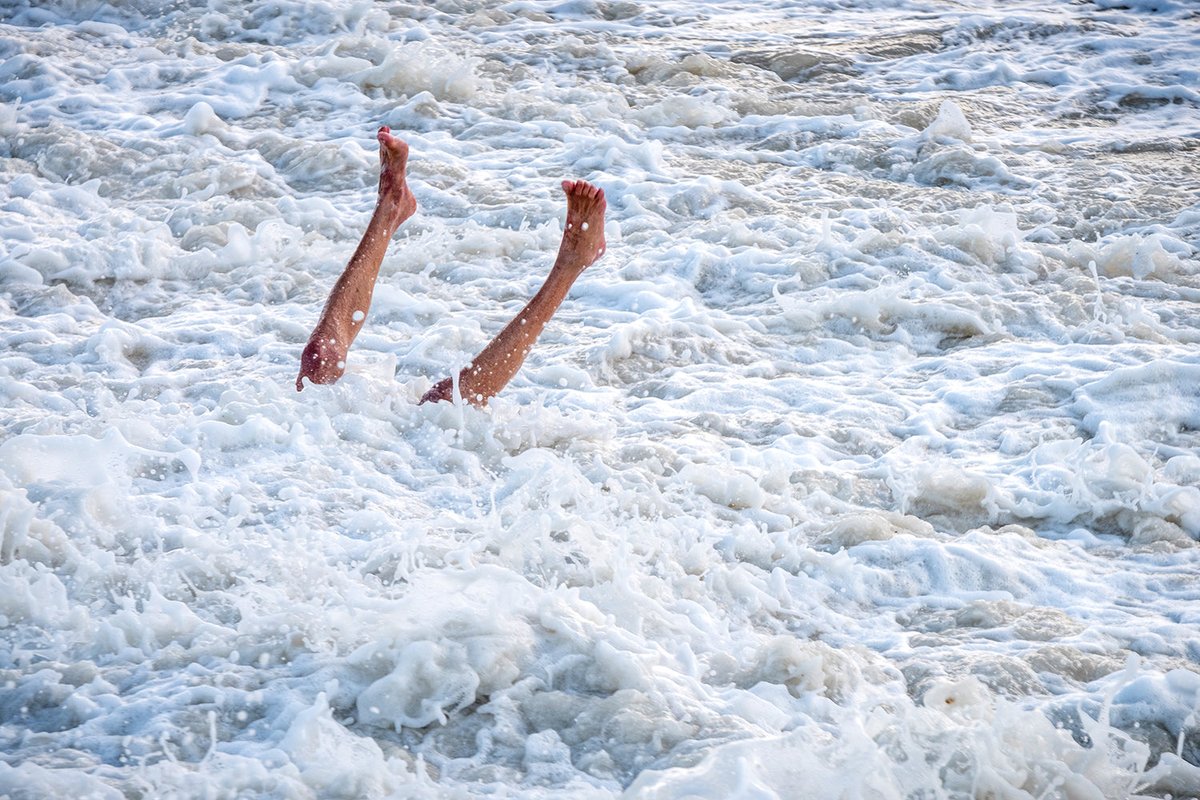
x=324 y=357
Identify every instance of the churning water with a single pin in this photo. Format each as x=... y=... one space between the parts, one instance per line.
x=863 y=465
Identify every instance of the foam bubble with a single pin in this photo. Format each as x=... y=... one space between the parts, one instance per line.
x=201 y=119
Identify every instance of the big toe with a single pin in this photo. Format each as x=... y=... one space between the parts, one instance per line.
x=392 y=148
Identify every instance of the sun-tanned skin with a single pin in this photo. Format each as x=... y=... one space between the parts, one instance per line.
x=582 y=243
x=324 y=358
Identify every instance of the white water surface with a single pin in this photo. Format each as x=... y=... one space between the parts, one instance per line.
x=865 y=463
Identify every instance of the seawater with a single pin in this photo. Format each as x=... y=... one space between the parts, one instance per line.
x=863 y=465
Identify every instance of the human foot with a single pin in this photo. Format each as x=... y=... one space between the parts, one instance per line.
x=583 y=234
x=395 y=200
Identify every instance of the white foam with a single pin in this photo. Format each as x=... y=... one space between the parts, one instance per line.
x=949 y=123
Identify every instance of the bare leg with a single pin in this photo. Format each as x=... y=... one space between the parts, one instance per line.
x=582 y=244
x=324 y=358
